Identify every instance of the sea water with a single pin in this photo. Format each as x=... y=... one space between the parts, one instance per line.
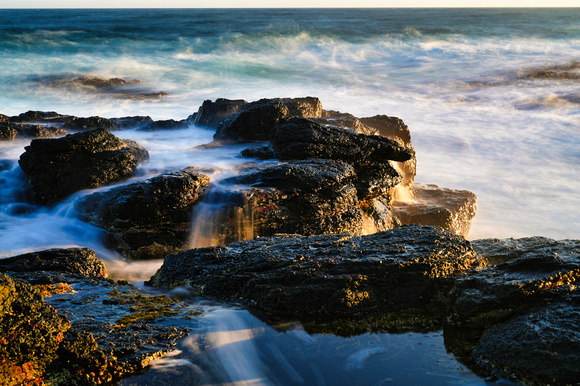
x=459 y=78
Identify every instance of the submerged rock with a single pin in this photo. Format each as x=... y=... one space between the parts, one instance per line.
x=156 y=211
x=57 y=168
x=447 y=208
x=328 y=278
x=255 y=120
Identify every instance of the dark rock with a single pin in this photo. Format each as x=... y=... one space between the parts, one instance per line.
x=535 y=271
x=376 y=180
x=3 y=118
x=300 y=138
x=30 y=332
x=57 y=168
x=169 y=124
x=259 y=152
x=305 y=197
x=147 y=213
x=255 y=120
x=37 y=116
x=325 y=278
x=103 y=82
x=91 y=123
x=137 y=122
x=11 y=131
x=82 y=261
x=447 y=208
x=211 y=114
x=541 y=347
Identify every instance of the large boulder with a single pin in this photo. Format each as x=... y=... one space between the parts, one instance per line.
x=331 y=277
x=300 y=138
x=255 y=120
x=431 y=205
x=156 y=211
x=57 y=168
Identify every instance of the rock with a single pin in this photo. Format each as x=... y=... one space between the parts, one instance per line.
x=10 y=131
x=30 y=332
x=541 y=347
x=3 y=118
x=535 y=271
x=169 y=124
x=57 y=168
x=376 y=180
x=300 y=138
x=137 y=122
x=155 y=211
x=306 y=197
x=259 y=152
x=211 y=114
x=345 y=120
x=81 y=261
x=39 y=116
x=91 y=123
x=255 y=120
x=328 y=278
x=390 y=127
x=447 y=208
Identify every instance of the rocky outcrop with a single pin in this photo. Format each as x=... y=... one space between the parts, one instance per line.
x=330 y=278
x=110 y=331
x=255 y=120
x=156 y=211
x=10 y=131
x=211 y=114
x=432 y=205
x=169 y=124
x=57 y=168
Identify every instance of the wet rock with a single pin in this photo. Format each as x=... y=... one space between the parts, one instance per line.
x=211 y=114
x=376 y=180
x=30 y=332
x=168 y=124
x=91 y=123
x=541 y=347
x=300 y=138
x=136 y=122
x=57 y=168
x=534 y=271
x=3 y=118
x=306 y=197
x=10 y=131
x=331 y=277
x=38 y=116
x=147 y=213
x=447 y=208
x=259 y=152
x=390 y=127
x=255 y=120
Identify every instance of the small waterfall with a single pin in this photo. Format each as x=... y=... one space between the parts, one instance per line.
x=224 y=215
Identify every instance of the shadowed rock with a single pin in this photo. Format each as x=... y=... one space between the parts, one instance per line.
x=300 y=138
x=152 y=212
x=255 y=120
x=57 y=168
x=211 y=114
x=169 y=124
x=10 y=131
x=328 y=278
x=91 y=123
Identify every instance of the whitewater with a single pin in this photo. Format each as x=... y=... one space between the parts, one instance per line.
x=491 y=97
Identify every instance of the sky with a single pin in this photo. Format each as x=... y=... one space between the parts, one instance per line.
x=281 y=4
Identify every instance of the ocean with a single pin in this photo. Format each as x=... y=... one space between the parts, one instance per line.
x=491 y=97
